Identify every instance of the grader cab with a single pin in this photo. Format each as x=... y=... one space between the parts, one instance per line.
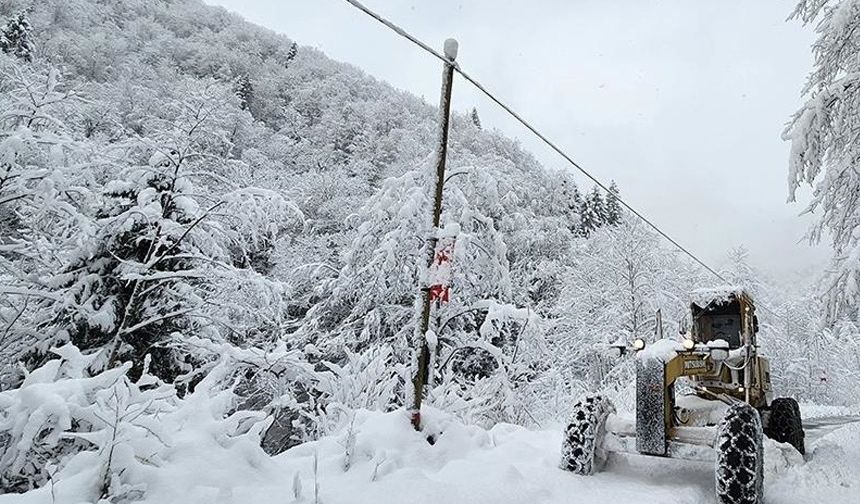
x=723 y=407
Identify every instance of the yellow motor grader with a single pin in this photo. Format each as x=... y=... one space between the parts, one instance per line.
x=727 y=409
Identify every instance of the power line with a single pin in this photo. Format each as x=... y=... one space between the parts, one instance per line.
x=403 y=33
x=589 y=175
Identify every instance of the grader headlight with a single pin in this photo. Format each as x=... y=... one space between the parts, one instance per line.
x=688 y=344
x=638 y=344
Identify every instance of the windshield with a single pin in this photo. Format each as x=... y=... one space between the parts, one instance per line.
x=724 y=327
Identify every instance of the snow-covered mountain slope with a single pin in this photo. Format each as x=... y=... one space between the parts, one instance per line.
x=379 y=459
x=321 y=134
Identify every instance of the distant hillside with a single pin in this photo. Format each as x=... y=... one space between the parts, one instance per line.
x=175 y=175
x=322 y=132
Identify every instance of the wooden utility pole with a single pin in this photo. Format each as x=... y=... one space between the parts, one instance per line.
x=421 y=371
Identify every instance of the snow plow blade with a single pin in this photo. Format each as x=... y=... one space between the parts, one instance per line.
x=687 y=443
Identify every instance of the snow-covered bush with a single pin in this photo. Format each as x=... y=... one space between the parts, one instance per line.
x=486 y=363
x=479 y=401
x=811 y=362
x=52 y=402
x=44 y=178
x=106 y=436
x=272 y=378
x=371 y=380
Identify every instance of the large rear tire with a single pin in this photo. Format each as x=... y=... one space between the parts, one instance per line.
x=739 y=465
x=582 y=448
x=785 y=424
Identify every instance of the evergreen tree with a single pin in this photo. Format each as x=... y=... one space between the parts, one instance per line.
x=128 y=286
x=572 y=201
x=245 y=91
x=586 y=219
x=576 y=200
x=15 y=37
x=475 y=119
x=613 y=208
x=593 y=212
x=577 y=204
x=291 y=54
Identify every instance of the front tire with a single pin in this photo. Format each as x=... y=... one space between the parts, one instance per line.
x=582 y=448
x=785 y=424
x=739 y=462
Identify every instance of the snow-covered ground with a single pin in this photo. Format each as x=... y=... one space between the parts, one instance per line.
x=380 y=459
x=511 y=464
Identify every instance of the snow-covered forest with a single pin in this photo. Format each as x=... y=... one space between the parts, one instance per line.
x=210 y=239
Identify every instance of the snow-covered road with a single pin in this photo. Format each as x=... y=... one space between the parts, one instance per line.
x=816 y=428
x=510 y=464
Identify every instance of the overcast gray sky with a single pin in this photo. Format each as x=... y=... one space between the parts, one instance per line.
x=681 y=102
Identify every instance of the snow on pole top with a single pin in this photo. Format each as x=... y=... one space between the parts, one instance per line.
x=451 y=47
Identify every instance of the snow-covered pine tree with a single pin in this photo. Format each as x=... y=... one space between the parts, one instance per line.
x=598 y=204
x=576 y=206
x=475 y=119
x=824 y=153
x=245 y=91
x=133 y=281
x=593 y=212
x=291 y=54
x=576 y=199
x=587 y=219
x=15 y=37
x=613 y=208
x=570 y=202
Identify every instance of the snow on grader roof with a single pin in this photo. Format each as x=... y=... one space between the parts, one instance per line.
x=719 y=294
